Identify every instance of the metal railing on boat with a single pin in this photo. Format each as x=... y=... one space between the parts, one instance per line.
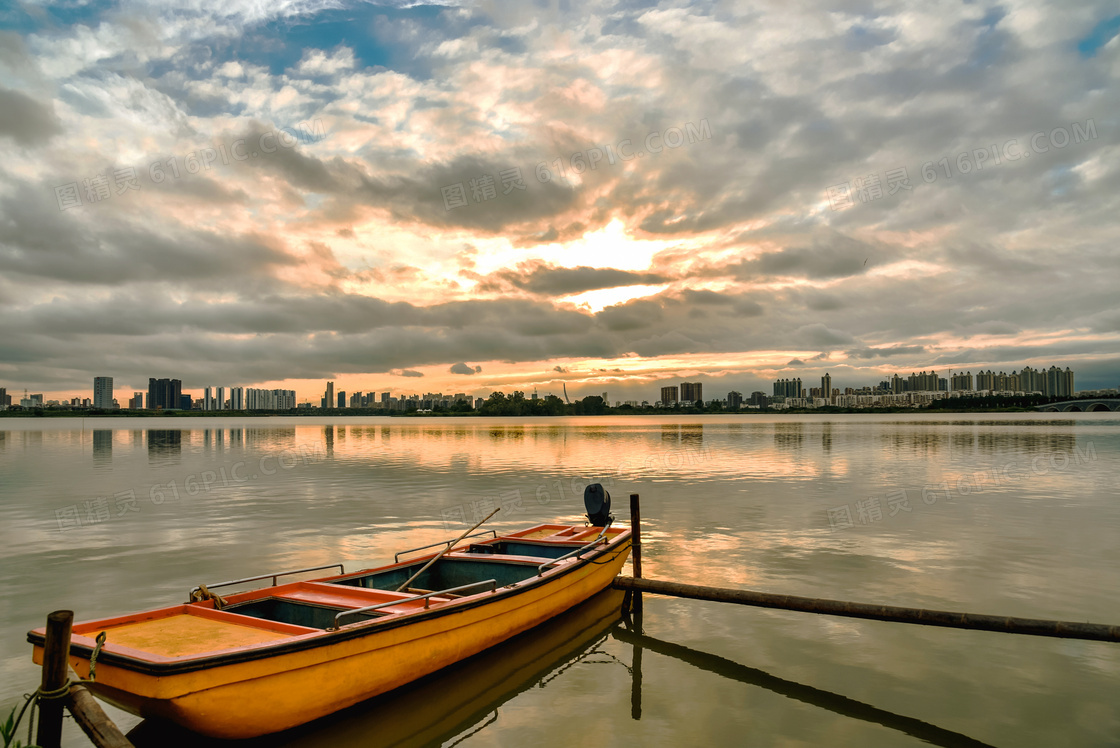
x=273 y=577
x=397 y=557
x=492 y=583
x=578 y=551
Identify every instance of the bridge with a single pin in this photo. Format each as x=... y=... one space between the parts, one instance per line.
x=1088 y=406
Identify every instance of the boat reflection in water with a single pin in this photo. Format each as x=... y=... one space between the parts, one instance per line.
x=444 y=705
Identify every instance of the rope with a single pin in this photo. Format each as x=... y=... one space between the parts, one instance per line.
x=93 y=657
x=609 y=560
x=202 y=593
x=32 y=700
x=62 y=692
x=28 y=698
x=58 y=693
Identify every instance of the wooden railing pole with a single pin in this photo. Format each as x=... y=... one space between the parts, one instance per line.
x=56 y=671
x=94 y=722
x=949 y=619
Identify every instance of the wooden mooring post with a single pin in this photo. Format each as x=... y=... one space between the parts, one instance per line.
x=920 y=616
x=633 y=604
x=635 y=598
x=56 y=674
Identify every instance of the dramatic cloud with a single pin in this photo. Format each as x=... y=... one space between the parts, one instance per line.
x=898 y=350
x=25 y=120
x=620 y=194
x=547 y=280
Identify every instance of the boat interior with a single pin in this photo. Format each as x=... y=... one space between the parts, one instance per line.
x=280 y=612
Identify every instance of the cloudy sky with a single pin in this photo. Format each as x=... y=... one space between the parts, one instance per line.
x=500 y=195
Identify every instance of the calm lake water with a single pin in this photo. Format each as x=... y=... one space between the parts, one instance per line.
x=1014 y=514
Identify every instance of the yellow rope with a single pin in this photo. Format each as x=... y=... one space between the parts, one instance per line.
x=93 y=657
x=58 y=693
x=204 y=594
x=63 y=691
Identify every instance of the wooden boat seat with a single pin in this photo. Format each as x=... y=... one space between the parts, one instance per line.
x=505 y=558
x=418 y=591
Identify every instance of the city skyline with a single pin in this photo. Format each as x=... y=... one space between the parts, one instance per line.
x=630 y=388
x=1053 y=381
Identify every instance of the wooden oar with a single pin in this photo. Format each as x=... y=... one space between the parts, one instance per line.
x=450 y=545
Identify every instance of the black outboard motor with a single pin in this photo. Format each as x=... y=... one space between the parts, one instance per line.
x=598 y=502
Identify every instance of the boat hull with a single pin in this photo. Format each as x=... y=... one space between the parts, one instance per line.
x=299 y=684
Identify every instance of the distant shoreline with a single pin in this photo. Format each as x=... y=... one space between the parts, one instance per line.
x=363 y=413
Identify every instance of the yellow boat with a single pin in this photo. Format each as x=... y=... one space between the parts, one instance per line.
x=269 y=659
x=436 y=709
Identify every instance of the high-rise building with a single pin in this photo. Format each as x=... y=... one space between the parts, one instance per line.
x=692 y=392
x=342 y=398
x=5 y=398
x=103 y=392
x=164 y=393
x=329 y=396
x=237 y=398
x=136 y=402
x=269 y=399
x=787 y=388
x=826 y=386
x=219 y=398
x=185 y=402
x=924 y=382
x=1032 y=380
x=961 y=382
x=734 y=400
x=759 y=399
x=668 y=395
x=1059 y=383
